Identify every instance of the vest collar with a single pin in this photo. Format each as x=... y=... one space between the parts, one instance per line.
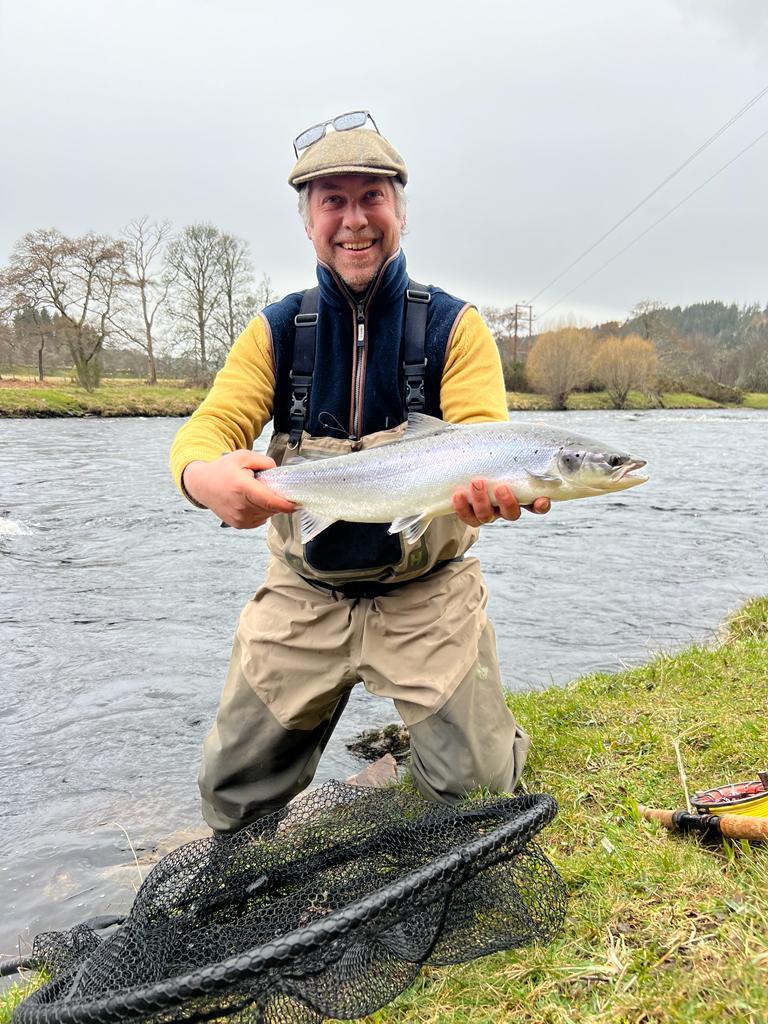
x=388 y=285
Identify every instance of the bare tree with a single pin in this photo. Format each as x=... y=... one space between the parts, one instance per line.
x=512 y=342
x=7 y=342
x=146 y=287
x=264 y=294
x=29 y=326
x=237 y=304
x=651 y=320
x=621 y=364
x=38 y=323
x=193 y=262
x=501 y=323
x=559 y=362
x=76 y=278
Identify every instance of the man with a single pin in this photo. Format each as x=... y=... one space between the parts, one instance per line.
x=354 y=603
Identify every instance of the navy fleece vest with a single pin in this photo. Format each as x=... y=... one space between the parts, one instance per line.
x=383 y=406
x=358 y=546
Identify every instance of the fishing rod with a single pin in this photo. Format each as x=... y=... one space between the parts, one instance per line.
x=735 y=810
x=712 y=826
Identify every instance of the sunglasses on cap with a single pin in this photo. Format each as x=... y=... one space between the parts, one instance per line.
x=342 y=123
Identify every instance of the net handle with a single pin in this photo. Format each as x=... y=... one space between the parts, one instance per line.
x=536 y=812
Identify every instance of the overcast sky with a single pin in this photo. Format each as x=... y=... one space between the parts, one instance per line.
x=529 y=127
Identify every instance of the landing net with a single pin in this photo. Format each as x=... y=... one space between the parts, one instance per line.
x=328 y=908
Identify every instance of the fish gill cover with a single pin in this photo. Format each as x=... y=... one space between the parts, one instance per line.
x=328 y=908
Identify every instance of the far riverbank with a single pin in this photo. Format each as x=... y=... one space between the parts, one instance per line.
x=28 y=398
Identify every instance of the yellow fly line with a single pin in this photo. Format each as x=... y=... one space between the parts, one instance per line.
x=747 y=798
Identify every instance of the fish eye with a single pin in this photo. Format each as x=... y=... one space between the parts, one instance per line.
x=616 y=460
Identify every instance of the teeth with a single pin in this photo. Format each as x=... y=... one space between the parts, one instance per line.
x=356 y=245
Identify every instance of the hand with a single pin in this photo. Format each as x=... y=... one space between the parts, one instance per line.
x=228 y=487
x=474 y=507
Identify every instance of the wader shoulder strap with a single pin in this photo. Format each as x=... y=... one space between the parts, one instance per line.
x=414 y=364
x=303 y=362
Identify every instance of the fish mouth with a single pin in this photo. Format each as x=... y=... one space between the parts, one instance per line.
x=627 y=471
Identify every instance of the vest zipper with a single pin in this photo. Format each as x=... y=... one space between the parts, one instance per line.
x=361 y=340
x=358 y=375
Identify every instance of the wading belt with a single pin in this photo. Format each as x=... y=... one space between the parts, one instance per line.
x=414 y=362
x=368 y=589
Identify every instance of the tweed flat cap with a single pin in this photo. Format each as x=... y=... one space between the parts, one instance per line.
x=356 y=151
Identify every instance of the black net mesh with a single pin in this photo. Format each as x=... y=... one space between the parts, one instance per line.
x=326 y=909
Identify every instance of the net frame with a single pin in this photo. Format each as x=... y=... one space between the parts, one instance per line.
x=384 y=907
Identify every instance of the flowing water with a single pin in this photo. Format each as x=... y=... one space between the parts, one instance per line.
x=118 y=601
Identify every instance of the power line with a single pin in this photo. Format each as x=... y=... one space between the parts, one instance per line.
x=658 y=188
x=652 y=226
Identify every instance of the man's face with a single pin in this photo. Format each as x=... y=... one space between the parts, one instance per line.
x=353 y=225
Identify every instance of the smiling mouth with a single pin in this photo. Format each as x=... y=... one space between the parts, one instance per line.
x=357 y=246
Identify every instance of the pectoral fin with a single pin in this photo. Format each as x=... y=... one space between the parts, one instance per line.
x=413 y=526
x=539 y=481
x=312 y=524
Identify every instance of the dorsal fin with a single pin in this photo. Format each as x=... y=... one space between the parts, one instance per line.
x=421 y=425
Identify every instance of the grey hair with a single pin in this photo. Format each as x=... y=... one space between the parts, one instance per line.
x=401 y=200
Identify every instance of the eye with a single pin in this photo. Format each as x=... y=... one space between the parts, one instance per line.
x=375 y=193
x=616 y=460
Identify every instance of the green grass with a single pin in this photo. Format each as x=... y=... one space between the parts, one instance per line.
x=25 y=397
x=660 y=928
x=583 y=400
x=10 y=999
x=115 y=397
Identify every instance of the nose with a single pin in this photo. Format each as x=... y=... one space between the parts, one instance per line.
x=355 y=218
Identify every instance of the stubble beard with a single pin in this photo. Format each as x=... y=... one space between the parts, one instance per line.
x=361 y=282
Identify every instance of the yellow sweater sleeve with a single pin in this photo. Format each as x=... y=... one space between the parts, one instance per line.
x=472 y=387
x=236 y=409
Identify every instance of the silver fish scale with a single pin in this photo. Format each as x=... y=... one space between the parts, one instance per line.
x=408 y=476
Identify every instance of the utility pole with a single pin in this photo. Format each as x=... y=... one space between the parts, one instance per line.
x=522 y=327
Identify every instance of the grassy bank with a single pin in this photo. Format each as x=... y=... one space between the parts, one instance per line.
x=660 y=929
x=59 y=396
x=520 y=400
x=116 y=397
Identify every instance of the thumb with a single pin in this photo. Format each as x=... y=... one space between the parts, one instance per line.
x=256 y=461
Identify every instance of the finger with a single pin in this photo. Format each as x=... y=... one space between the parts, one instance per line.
x=266 y=500
x=481 y=501
x=463 y=509
x=249 y=522
x=539 y=505
x=508 y=505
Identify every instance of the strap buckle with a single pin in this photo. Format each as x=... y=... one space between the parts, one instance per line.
x=416 y=295
x=415 y=369
x=414 y=396
x=305 y=319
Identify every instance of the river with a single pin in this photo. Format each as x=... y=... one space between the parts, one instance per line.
x=118 y=601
